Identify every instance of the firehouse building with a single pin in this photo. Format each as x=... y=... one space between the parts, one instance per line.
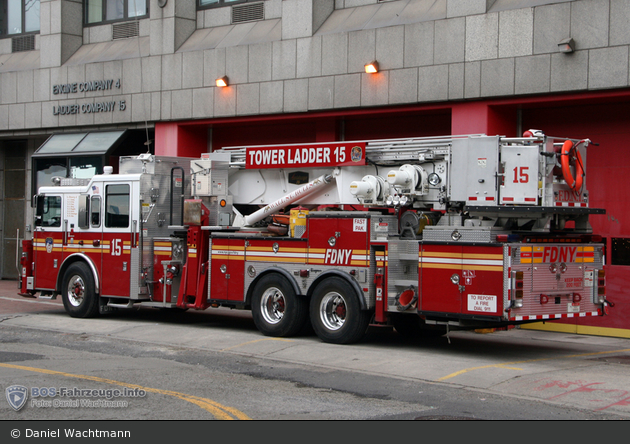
x=83 y=82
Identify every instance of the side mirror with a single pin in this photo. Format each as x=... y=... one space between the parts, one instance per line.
x=40 y=201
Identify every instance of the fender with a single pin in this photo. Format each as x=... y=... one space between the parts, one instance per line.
x=345 y=276
x=265 y=272
x=74 y=257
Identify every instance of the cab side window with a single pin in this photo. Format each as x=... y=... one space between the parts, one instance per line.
x=117 y=206
x=49 y=212
x=95 y=211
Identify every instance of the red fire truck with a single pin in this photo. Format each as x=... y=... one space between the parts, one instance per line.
x=424 y=234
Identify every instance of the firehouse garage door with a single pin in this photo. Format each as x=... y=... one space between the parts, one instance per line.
x=608 y=181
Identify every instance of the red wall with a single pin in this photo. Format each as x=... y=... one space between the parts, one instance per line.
x=607 y=174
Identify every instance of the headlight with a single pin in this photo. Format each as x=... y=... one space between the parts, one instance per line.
x=434 y=179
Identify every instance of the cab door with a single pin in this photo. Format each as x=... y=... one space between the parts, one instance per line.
x=119 y=238
x=48 y=241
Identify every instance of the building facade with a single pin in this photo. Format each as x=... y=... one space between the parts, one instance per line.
x=146 y=71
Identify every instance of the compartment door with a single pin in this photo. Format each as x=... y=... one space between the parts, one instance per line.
x=441 y=278
x=520 y=180
x=227 y=269
x=482 y=279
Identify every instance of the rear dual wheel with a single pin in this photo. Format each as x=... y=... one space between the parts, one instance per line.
x=276 y=308
x=336 y=313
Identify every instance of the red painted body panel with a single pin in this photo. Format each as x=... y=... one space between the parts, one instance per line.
x=437 y=292
x=287 y=252
x=479 y=270
x=338 y=241
x=47 y=255
x=25 y=265
x=116 y=264
x=227 y=269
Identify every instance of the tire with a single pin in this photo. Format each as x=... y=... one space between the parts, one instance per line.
x=276 y=308
x=78 y=292
x=411 y=326
x=336 y=313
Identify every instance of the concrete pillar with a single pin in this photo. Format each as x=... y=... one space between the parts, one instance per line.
x=301 y=18
x=171 y=24
x=175 y=139
x=462 y=8
x=484 y=118
x=61 y=32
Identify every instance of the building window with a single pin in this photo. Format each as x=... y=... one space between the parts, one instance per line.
x=99 y=11
x=19 y=17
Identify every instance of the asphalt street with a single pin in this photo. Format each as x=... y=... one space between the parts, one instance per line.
x=514 y=374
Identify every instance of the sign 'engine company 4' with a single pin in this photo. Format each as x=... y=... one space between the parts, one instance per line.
x=87 y=107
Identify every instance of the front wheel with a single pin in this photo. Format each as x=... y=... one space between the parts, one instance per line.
x=336 y=313
x=78 y=292
x=276 y=309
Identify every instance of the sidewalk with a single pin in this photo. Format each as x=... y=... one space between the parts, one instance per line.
x=9 y=292
x=11 y=302
x=9 y=287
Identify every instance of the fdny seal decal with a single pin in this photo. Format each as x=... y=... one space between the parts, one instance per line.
x=49 y=244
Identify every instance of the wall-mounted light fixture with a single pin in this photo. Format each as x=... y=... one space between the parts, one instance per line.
x=566 y=46
x=371 y=67
x=222 y=81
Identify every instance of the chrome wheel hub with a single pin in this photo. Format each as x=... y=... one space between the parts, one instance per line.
x=272 y=305
x=76 y=290
x=332 y=311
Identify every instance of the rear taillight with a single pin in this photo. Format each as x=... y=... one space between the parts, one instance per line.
x=599 y=289
x=517 y=295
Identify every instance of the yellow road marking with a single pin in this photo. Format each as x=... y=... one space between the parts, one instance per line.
x=219 y=411
x=506 y=364
x=253 y=342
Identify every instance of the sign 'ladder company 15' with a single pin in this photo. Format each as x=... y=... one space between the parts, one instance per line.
x=422 y=234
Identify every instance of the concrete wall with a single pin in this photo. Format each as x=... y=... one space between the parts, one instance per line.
x=450 y=50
